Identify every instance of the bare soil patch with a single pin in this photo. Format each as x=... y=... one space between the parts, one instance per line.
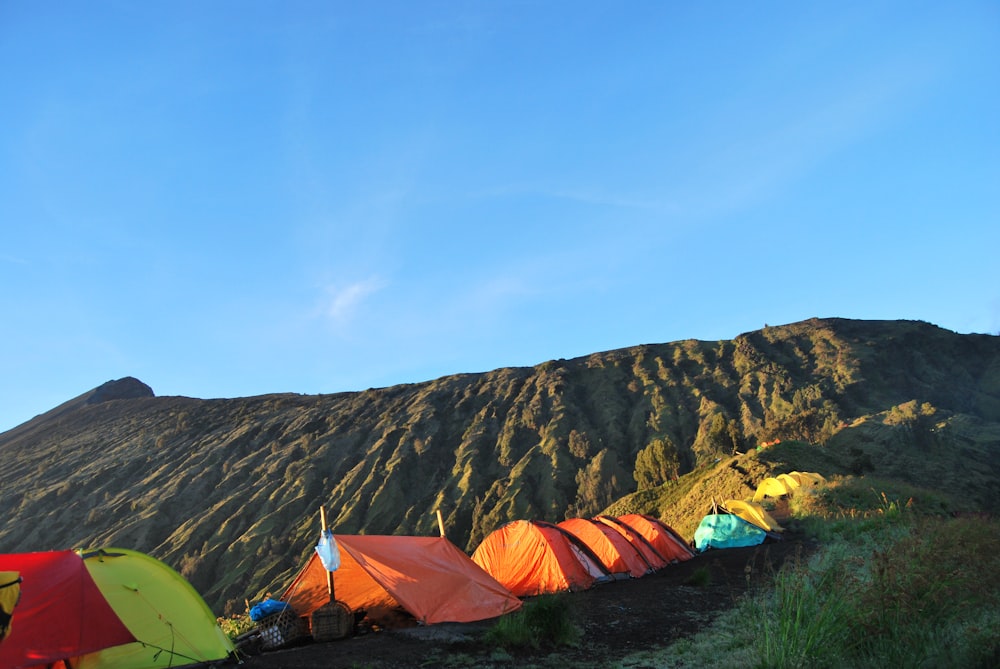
x=615 y=619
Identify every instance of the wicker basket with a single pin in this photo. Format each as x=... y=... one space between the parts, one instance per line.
x=281 y=629
x=332 y=621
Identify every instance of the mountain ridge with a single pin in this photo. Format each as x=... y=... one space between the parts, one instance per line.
x=226 y=490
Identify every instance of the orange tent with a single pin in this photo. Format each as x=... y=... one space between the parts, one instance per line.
x=662 y=537
x=616 y=552
x=429 y=577
x=646 y=549
x=535 y=558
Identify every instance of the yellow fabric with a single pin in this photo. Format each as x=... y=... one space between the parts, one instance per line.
x=771 y=487
x=753 y=513
x=10 y=592
x=807 y=479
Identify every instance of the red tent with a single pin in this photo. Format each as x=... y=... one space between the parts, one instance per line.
x=662 y=537
x=427 y=576
x=535 y=558
x=62 y=614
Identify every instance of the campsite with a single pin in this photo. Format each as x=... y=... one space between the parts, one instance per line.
x=871 y=505
x=616 y=619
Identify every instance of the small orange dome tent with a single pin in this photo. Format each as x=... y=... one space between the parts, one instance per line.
x=646 y=549
x=429 y=577
x=663 y=537
x=616 y=552
x=536 y=558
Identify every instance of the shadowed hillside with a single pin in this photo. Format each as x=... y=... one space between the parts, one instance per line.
x=227 y=490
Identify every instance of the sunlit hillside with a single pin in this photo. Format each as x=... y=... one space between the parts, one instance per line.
x=228 y=490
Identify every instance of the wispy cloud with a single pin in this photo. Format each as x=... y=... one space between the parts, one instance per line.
x=339 y=303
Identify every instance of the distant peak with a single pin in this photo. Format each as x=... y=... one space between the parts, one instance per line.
x=123 y=389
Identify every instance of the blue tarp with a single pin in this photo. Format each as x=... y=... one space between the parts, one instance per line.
x=725 y=530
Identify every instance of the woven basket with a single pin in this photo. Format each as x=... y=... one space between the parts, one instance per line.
x=332 y=621
x=281 y=629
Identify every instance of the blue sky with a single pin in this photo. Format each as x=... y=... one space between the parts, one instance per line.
x=226 y=199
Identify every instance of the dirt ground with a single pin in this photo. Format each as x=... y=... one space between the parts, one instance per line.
x=615 y=619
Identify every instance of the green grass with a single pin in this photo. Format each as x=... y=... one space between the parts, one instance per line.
x=888 y=588
x=544 y=621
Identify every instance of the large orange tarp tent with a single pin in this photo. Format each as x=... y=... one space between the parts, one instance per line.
x=616 y=553
x=429 y=577
x=536 y=558
x=662 y=537
x=62 y=613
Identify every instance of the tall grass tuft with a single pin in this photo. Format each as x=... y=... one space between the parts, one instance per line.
x=921 y=592
x=542 y=621
x=801 y=620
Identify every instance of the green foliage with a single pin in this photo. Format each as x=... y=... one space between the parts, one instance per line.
x=235 y=625
x=899 y=590
x=544 y=621
x=656 y=464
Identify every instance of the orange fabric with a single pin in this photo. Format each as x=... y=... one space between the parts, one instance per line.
x=646 y=549
x=531 y=559
x=427 y=576
x=663 y=538
x=616 y=553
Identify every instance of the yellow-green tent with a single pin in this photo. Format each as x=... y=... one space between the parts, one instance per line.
x=786 y=484
x=807 y=479
x=752 y=513
x=170 y=621
x=790 y=481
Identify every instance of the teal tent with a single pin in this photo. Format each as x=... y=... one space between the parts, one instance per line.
x=724 y=530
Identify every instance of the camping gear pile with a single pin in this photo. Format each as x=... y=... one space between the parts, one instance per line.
x=107 y=609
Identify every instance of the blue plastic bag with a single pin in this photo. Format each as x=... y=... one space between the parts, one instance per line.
x=267 y=608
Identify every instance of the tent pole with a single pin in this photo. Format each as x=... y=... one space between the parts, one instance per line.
x=329 y=574
x=440 y=522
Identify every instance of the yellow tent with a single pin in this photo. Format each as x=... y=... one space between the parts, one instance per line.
x=752 y=513
x=807 y=479
x=772 y=487
x=790 y=481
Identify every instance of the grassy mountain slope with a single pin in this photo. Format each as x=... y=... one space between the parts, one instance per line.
x=227 y=490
